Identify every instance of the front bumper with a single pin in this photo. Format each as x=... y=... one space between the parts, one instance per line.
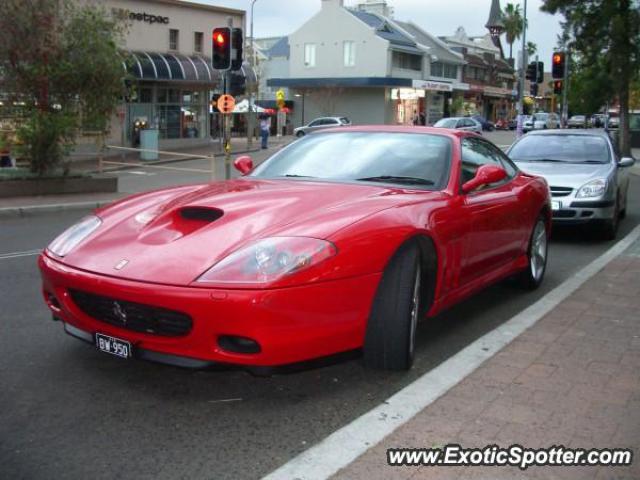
x=290 y=325
x=572 y=211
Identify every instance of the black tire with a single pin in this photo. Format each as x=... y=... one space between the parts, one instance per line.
x=609 y=228
x=537 y=255
x=390 y=336
x=300 y=134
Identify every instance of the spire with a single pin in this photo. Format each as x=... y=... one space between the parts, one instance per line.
x=495 y=25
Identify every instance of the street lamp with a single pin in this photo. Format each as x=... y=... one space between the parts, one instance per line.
x=250 y=122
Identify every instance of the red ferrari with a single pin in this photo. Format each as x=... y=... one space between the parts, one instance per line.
x=342 y=240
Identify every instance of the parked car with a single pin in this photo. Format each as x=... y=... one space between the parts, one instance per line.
x=614 y=122
x=598 y=120
x=577 y=121
x=487 y=126
x=589 y=181
x=320 y=123
x=543 y=121
x=460 y=123
x=342 y=240
x=527 y=123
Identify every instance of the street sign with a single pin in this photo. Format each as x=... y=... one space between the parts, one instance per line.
x=226 y=104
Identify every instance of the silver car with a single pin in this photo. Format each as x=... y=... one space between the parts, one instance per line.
x=460 y=123
x=320 y=123
x=587 y=177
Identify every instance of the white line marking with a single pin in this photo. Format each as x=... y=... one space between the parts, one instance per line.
x=29 y=253
x=346 y=444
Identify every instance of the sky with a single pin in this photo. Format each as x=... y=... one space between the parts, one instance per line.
x=439 y=17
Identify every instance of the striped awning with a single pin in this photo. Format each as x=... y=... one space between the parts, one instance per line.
x=175 y=67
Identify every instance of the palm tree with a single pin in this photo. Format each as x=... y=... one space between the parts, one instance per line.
x=532 y=48
x=512 y=18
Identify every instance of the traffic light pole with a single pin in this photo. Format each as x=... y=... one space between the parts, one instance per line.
x=227 y=122
x=565 y=87
x=522 y=72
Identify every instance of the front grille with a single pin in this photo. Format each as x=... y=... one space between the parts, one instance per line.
x=133 y=316
x=560 y=191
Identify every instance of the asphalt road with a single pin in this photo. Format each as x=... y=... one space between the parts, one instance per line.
x=68 y=411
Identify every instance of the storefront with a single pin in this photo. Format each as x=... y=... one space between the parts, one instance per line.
x=169 y=66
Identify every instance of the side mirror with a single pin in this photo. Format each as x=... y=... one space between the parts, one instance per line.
x=243 y=164
x=485 y=175
x=626 y=162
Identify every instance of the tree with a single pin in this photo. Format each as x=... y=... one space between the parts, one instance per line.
x=532 y=48
x=512 y=19
x=62 y=62
x=605 y=33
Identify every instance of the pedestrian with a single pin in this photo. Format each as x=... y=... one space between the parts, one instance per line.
x=265 y=126
x=423 y=119
x=416 y=118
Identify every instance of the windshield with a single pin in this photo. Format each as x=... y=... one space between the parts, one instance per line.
x=561 y=148
x=541 y=117
x=396 y=158
x=447 y=123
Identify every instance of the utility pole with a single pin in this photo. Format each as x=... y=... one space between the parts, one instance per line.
x=226 y=118
x=565 y=87
x=251 y=119
x=522 y=71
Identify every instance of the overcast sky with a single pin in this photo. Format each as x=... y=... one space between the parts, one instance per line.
x=439 y=17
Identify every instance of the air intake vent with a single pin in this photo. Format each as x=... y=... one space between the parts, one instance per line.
x=201 y=214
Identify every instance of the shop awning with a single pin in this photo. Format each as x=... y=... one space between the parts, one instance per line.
x=175 y=67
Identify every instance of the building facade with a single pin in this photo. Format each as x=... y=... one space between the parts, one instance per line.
x=169 y=65
x=363 y=64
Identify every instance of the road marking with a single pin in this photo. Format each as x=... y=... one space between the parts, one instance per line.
x=28 y=253
x=343 y=446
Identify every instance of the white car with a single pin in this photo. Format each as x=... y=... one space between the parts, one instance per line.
x=460 y=123
x=544 y=121
x=320 y=123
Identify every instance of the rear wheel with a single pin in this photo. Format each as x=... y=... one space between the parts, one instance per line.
x=300 y=134
x=390 y=338
x=532 y=277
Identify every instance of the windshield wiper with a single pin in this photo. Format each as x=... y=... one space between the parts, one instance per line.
x=393 y=179
x=296 y=176
x=554 y=160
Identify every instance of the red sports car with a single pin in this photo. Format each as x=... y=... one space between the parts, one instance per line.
x=343 y=240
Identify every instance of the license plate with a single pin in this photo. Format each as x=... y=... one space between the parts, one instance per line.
x=114 y=346
x=555 y=206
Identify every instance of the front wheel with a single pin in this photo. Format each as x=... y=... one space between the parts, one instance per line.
x=390 y=337
x=609 y=229
x=537 y=253
x=300 y=134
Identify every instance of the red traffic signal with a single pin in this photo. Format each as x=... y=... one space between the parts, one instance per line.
x=221 y=58
x=557 y=87
x=558 y=65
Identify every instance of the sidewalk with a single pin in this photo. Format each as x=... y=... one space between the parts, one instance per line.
x=573 y=379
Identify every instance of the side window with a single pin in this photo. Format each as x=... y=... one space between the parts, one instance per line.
x=460 y=123
x=315 y=123
x=333 y=121
x=475 y=153
x=505 y=161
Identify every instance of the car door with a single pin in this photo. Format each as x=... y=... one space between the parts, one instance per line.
x=493 y=237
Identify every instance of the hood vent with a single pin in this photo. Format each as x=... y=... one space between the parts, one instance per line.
x=201 y=214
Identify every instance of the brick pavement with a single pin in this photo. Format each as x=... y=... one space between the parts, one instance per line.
x=573 y=379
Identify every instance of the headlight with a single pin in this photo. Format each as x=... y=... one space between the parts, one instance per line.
x=595 y=188
x=268 y=260
x=72 y=236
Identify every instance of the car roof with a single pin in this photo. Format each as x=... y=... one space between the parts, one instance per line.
x=400 y=129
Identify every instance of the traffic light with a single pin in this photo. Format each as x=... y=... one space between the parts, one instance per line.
x=557 y=62
x=557 y=87
x=237 y=84
x=540 y=73
x=214 y=102
x=236 y=48
x=532 y=72
x=221 y=58
x=533 y=90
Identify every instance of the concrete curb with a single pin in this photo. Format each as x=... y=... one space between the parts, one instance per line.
x=17 y=212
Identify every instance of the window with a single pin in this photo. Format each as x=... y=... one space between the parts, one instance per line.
x=407 y=61
x=173 y=39
x=309 y=54
x=349 y=48
x=197 y=42
x=476 y=153
x=444 y=70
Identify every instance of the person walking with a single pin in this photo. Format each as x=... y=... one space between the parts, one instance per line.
x=265 y=126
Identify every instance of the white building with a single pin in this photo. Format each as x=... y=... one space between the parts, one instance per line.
x=362 y=64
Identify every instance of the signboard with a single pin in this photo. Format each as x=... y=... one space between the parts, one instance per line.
x=431 y=85
x=226 y=103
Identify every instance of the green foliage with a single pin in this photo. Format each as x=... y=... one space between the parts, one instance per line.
x=61 y=59
x=532 y=48
x=605 y=34
x=513 y=21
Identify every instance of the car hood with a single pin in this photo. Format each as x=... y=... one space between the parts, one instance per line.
x=566 y=174
x=191 y=229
